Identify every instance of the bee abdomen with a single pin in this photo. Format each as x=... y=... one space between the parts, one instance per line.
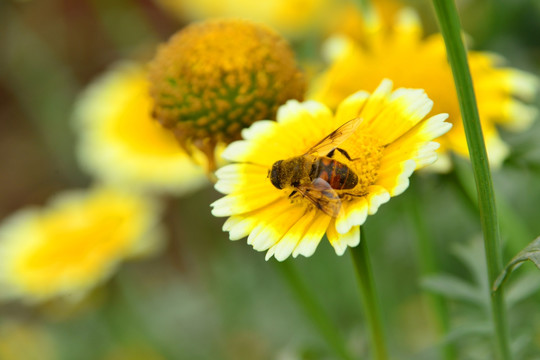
x=339 y=176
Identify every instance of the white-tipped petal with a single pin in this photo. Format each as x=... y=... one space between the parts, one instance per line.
x=376 y=197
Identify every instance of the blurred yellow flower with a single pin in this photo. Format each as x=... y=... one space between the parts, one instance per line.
x=287 y=209
x=214 y=78
x=120 y=143
x=348 y=19
x=74 y=243
x=401 y=53
x=291 y=18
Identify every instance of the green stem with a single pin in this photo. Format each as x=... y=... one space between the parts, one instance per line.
x=428 y=266
x=451 y=30
x=314 y=309
x=362 y=264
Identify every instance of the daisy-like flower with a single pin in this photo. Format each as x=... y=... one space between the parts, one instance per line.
x=389 y=139
x=401 y=53
x=74 y=243
x=121 y=144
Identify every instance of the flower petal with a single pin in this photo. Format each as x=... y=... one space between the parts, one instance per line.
x=305 y=227
x=376 y=197
x=404 y=109
x=340 y=242
x=312 y=238
x=354 y=213
x=241 y=202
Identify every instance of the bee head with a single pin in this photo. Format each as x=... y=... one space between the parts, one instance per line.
x=275 y=174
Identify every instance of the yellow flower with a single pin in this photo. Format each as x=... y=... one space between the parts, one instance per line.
x=350 y=21
x=212 y=79
x=292 y=18
x=402 y=54
x=121 y=144
x=75 y=243
x=386 y=145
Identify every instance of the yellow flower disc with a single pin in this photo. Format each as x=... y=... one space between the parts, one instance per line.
x=401 y=53
x=73 y=244
x=389 y=140
x=214 y=78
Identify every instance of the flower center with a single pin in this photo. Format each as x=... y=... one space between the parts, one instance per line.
x=214 y=78
x=366 y=152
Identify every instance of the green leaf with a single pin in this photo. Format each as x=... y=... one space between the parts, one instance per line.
x=454 y=288
x=531 y=252
x=468 y=330
x=471 y=254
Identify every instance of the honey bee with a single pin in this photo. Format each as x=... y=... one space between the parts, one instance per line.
x=317 y=177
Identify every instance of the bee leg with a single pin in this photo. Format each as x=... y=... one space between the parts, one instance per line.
x=352 y=195
x=331 y=153
x=342 y=151
x=292 y=194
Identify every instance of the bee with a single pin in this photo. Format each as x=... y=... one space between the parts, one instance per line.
x=318 y=178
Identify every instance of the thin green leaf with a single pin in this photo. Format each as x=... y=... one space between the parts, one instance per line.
x=520 y=344
x=476 y=329
x=471 y=255
x=454 y=288
x=531 y=252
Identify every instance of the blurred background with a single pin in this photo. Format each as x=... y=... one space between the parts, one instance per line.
x=204 y=297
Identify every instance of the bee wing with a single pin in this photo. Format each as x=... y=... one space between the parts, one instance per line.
x=335 y=138
x=323 y=196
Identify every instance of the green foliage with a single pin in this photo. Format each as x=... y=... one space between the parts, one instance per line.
x=471 y=295
x=530 y=253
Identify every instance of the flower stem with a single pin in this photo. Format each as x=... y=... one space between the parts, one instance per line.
x=362 y=264
x=451 y=30
x=428 y=266
x=314 y=309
